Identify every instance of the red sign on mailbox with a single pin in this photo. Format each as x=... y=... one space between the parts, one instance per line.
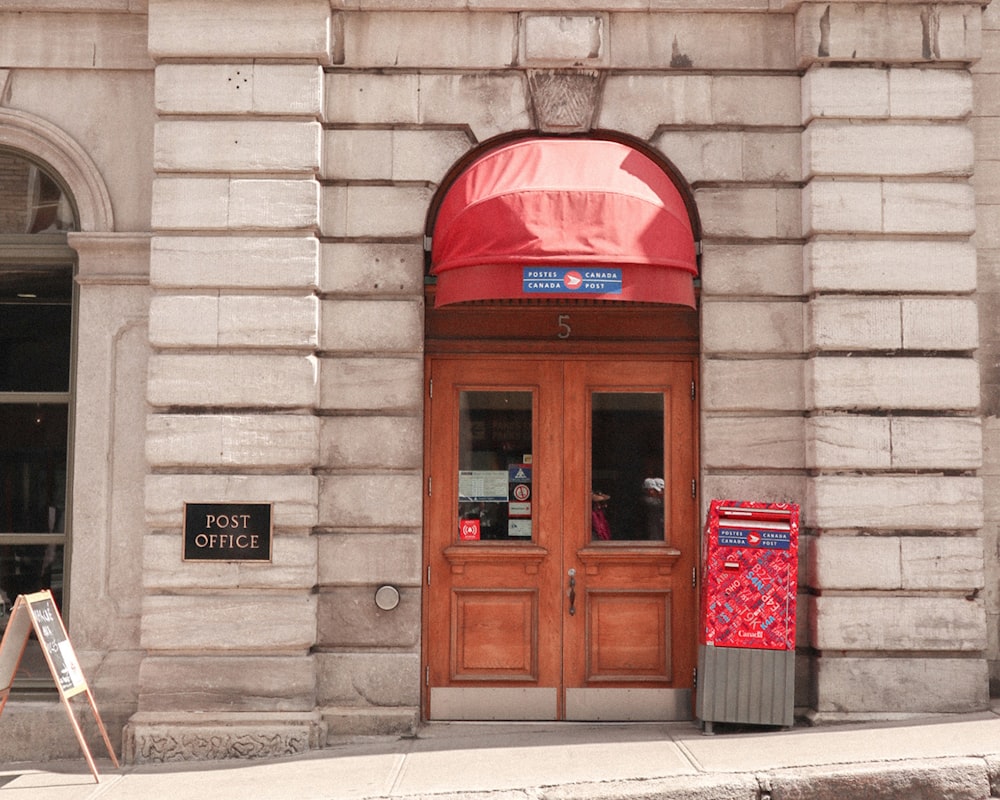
x=750 y=575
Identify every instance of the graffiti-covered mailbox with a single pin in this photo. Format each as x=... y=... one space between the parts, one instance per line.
x=746 y=654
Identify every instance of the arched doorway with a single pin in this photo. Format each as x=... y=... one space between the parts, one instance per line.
x=561 y=517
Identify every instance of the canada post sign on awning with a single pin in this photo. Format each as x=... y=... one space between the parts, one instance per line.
x=571 y=280
x=227 y=531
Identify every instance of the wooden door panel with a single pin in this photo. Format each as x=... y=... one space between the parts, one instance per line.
x=488 y=602
x=497 y=614
x=639 y=625
x=494 y=634
x=628 y=636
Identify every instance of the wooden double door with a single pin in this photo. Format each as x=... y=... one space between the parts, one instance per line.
x=561 y=538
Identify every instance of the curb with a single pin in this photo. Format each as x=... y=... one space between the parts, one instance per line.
x=940 y=779
x=965 y=778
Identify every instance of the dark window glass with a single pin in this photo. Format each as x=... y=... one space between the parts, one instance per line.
x=35 y=347
x=32 y=468
x=36 y=329
x=27 y=568
x=627 y=468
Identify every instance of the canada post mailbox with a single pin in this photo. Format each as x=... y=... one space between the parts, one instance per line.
x=746 y=656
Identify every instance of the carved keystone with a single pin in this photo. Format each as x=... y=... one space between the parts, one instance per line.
x=564 y=101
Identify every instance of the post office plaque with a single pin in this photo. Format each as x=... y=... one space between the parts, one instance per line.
x=227 y=531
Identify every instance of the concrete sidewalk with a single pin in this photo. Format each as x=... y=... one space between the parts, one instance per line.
x=953 y=758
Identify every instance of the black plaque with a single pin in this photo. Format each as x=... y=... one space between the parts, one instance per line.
x=227 y=531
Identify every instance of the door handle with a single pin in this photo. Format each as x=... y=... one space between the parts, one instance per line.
x=572 y=592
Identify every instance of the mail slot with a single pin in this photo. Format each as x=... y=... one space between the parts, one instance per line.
x=746 y=657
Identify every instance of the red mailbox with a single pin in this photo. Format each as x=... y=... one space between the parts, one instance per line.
x=746 y=656
x=751 y=567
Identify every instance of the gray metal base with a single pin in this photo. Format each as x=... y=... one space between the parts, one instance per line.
x=745 y=685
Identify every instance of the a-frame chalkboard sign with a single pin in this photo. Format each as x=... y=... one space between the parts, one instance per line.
x=38 y=612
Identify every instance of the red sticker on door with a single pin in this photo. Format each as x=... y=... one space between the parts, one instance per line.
x=468 y=530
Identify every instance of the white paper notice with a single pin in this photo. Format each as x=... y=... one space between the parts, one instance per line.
x=483 y=486
x=72 y=668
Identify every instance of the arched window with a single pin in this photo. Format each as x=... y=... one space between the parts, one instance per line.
x=36 y=327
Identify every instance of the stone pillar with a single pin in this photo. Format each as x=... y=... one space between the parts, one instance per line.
x=986 y=127
x=109 y=467
x=233 y=385
x=893 y=436
x=734 y=137
x=391 y=134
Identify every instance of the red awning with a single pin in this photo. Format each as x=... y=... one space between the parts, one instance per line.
x=564 y=217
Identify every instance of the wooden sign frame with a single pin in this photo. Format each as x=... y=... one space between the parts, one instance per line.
x=38 y=612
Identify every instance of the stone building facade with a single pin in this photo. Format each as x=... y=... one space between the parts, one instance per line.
x=252 y=182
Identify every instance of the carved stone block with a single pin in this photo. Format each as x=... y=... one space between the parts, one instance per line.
x=563 y=101
x=149 y=739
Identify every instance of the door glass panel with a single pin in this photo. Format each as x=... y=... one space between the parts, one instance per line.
x=626 y=466
x=494 y=466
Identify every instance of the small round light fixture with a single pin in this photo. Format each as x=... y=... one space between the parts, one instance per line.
x=387 y=597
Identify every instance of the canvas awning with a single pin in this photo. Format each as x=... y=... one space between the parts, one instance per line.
x=559 y=217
